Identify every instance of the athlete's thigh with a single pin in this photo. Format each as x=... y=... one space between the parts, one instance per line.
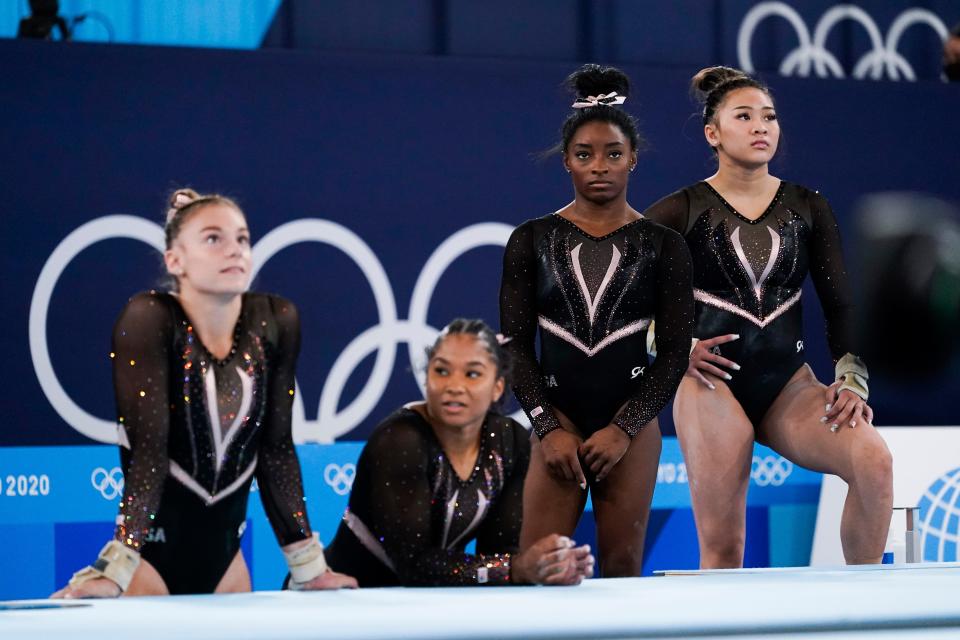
x=716 y=438
x=621 y=501
x=549 y=505
x=146 y=581
x=792 y=428
x=236 y=579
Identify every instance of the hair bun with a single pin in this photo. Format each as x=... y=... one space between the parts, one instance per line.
x=710 y=78
x=179 y=199
x=593 y=80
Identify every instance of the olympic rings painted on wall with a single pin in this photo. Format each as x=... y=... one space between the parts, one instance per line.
x=382 y=338
x=108 y=483
x=770 y=470
x=811 y=54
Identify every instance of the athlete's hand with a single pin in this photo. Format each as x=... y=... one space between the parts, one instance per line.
x=560 y=453
x=845 y=408
x=554 y=560
x=95 y=588
x=703 y=360
x=327 y=580
x=604 y=449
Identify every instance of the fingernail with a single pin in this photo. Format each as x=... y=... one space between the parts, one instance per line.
x=736 y=336
x=828 y=407
x=727 y=376
x=736 y=367
x=583 y=485
x=564 y=541
x=823 y=419
x=712 y=388
x=834 y=427
x=853 y=424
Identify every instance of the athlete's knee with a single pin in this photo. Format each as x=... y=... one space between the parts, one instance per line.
x=873 y=463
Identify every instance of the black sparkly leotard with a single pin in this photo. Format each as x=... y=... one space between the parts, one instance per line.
x=195 y=430
x=593 y=299
x=410 y=515
x=748 y=277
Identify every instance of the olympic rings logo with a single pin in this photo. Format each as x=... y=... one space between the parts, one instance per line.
x=340 y=478
x=770 y=471
x=811 y=52
x=108 y=483
x=383 y=338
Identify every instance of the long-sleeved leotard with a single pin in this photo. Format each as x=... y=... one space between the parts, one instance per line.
x=748 y=278
x=411 y=516
x=593 y=299
x=195 y=430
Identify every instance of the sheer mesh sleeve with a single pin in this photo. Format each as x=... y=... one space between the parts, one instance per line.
x=278 y=470
x=672 y=211
x=142 y=340
x=500 y=532
x=830 y=278
x=396 y=460
x=518 y=321
x=674 y=323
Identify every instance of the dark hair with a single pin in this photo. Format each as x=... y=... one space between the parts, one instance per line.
x=594 y=80
x=182 y=203
x=485 y=335
x=711 y=85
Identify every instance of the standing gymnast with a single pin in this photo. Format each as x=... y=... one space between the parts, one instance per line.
x=753 y=239
x=204 y=382
x=592 y=276
x=437 y=474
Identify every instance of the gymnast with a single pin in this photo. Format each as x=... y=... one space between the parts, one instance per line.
x=437 y=474
x=204 y=383
x=593 y=276
x=753 y=239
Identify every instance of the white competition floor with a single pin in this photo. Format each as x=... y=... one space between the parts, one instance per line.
x=899 y=601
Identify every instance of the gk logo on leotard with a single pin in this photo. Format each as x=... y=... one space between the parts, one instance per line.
x=770 y=470
x=799 y=346
x=108 y=483
x=637 y=371
x=334 y=417
x=811 y=53
x=340 y=478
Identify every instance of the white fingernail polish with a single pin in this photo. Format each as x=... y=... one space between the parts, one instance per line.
x=736 y=336
x=736 y=367
x=828 y=407
x=712 y=388
x=823 y=419
x=727 y=376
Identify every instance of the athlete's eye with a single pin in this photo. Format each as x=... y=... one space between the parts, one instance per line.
x=771 y=117
x=244 y=239
x=581 y=155
x=474 y=374
x=743 y=115
x=616 y=155
x=213 y=238
x=441 y=371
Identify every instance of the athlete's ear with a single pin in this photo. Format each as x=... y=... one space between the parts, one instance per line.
x=712 y=134
x=498 y=388
x=171 y=258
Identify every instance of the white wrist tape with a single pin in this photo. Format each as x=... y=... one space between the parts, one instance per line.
x=652 y=339
x=116 y=562
x=852 y=373
x=306 y=562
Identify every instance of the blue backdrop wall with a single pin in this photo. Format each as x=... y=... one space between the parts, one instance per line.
x=385 y=162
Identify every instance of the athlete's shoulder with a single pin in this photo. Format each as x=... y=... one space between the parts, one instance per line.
x=403 y=430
